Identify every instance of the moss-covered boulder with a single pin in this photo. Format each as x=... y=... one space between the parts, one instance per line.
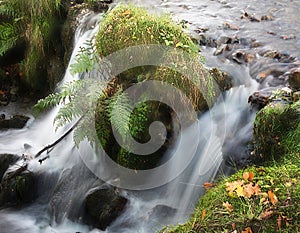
x=126 y=27
x=18 y=189
x=271 y=127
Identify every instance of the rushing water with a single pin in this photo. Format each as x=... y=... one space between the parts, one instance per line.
x=231 y=117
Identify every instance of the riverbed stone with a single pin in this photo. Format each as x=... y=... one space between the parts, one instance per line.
x=18 y=189
x=103 y=206
x=15 y=122
x=294 y=78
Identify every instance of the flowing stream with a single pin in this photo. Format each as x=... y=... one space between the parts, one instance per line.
x=224 y=130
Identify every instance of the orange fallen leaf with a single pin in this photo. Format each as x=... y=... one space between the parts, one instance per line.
x=248 y=176
x=207 y=185
x=228 y=206
x=272 y=197
x=233 y=226
x=250 y=190
x=247 y=230
x=203 y=214
x=127 y=12
x=234 y=186
x=266 y=214
x=262 y=75
x=279 y=221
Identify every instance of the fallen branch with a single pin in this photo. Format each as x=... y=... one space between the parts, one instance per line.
x=56 y=142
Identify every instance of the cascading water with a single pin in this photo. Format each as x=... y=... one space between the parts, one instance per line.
x=224 y=130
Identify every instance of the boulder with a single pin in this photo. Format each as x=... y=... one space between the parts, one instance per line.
x=103 y=206
x=17 y=188
x=69 y=193
x=15 y=122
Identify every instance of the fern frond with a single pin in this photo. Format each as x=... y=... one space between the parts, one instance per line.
x=119 y=110
x=8 y=37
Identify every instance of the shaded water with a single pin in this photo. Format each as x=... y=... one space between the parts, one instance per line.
x=231 y=118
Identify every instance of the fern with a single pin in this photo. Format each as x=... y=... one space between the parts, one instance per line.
x=8 y=37
x=119 y=111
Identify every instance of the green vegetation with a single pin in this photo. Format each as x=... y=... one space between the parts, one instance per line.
x=32 y=21
x=122 y=27
x=260 y=198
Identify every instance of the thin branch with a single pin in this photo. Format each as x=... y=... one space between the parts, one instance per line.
x=57 y=141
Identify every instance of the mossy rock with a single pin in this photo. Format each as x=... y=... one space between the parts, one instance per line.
x=18 y=190
x=126 y=26
x=272 y=125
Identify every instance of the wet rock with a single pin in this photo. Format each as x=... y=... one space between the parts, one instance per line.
x=5 y=161
x=227 y=25
x=266 y=18
x=261 y=98
x=103 y=206
x=239 y=57
x=224 y=81
x=221 y=49
x=70 y=191
x=16 y=122
x=18 y=187
x=288 y=37
x=294 y=78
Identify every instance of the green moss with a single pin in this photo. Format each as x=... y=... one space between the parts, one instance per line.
x=272 y=125
x=127 y=26
x=34 y=22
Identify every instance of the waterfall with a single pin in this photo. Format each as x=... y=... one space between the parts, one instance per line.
x=220 y=129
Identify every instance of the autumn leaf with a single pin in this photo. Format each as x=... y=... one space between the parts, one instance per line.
x=233 y=186
x=207 y=185
x=266 y=214
x=250 y=190
x=247 y=230
x=228 y=206
x=203 y=214
x=239 y=191
x=272 y=197
x=248 y=176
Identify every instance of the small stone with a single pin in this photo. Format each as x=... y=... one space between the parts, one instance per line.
x=288 y=37
x=294 y=79
x=266 y=18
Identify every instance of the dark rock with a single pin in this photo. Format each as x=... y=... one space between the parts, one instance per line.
x=224 y=81
x=5 y=161
x=103 y=206
x=266 y=18
x=222 y=48
x=239 y=57
x=294 y=78
x=16 y=122
x=261 y=98
x=70 y=191
x=18 y=188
